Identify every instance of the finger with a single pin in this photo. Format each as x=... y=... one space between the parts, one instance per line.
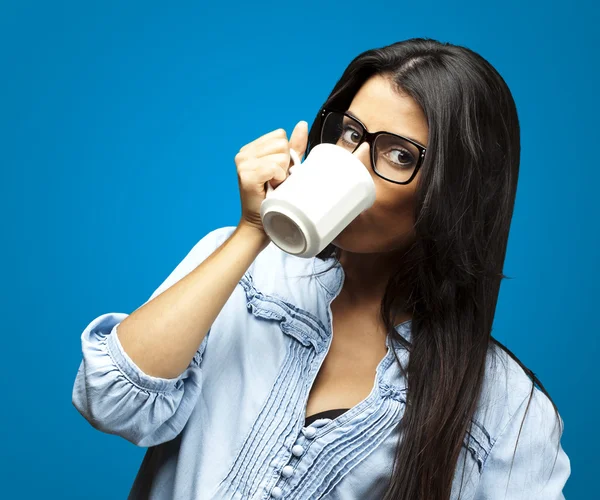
x=278 y=133
x=299 y=138
x=269 y=172
x=280 y=159
x=254 y=180
x=274 y=146
x=279 y=175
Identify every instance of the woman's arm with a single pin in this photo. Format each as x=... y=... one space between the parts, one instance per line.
x=112 y=392
x=540 y=468
x=162 y=336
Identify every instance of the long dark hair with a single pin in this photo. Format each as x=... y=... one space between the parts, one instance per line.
x=449 y=278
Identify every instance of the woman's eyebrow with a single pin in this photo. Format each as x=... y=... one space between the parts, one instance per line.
x=403 y=135
x=354 y=116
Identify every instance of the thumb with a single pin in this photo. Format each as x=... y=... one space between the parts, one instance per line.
x=299 y=138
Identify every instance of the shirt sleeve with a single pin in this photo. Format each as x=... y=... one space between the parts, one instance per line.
x=540 y=468
x=116 y=396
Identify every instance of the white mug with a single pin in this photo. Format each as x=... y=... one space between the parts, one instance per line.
x=314 y=204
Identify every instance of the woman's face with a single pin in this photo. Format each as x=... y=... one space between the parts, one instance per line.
x=389 y=224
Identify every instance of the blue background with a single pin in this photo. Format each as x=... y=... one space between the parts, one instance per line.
x=119 y=122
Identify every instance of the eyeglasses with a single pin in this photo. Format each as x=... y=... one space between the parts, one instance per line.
x=394 y=158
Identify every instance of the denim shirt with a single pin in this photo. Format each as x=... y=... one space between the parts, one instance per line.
x=231 y=426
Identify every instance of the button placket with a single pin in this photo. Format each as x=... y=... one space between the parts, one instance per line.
x=309 y=433
x=297 y=451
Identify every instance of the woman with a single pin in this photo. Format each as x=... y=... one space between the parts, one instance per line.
x=221 y=370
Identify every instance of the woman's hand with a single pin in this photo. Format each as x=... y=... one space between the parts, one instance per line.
x=266 y=159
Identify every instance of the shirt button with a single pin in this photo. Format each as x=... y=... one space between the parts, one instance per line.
x=276 y=492
x=310 y=432
x=287 y=471
x=320 y=422
x=297 y=450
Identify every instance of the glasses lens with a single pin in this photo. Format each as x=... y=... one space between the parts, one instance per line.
x=396 y=158
x=341 y=130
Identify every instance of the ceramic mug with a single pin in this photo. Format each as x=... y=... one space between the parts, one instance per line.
x=319 y=198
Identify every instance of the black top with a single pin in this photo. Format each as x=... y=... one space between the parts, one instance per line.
x=324 y=414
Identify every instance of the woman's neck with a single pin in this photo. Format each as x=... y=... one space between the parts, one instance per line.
x=366 y=279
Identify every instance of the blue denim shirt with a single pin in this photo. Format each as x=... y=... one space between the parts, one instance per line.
x=231 y=426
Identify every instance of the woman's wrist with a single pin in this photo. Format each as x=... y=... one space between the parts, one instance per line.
x=254 y=236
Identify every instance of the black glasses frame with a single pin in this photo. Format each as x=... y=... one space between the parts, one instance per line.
x=370 y=137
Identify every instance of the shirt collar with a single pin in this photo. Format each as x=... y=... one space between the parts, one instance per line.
x=332 y=279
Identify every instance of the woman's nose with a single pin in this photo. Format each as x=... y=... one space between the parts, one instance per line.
x=363 y=154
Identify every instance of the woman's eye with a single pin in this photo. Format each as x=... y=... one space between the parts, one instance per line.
x=350 y=135
x=400 y=157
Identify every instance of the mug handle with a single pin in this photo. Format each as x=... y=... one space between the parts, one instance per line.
x=296 y=161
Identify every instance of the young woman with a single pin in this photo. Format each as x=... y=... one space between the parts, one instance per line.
x=368 y=372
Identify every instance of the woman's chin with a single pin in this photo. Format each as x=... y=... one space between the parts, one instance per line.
x=350 y=239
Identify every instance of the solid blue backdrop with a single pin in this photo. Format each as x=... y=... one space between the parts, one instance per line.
x=119 y=124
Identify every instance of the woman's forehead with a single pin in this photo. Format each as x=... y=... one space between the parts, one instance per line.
x=380 y=107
